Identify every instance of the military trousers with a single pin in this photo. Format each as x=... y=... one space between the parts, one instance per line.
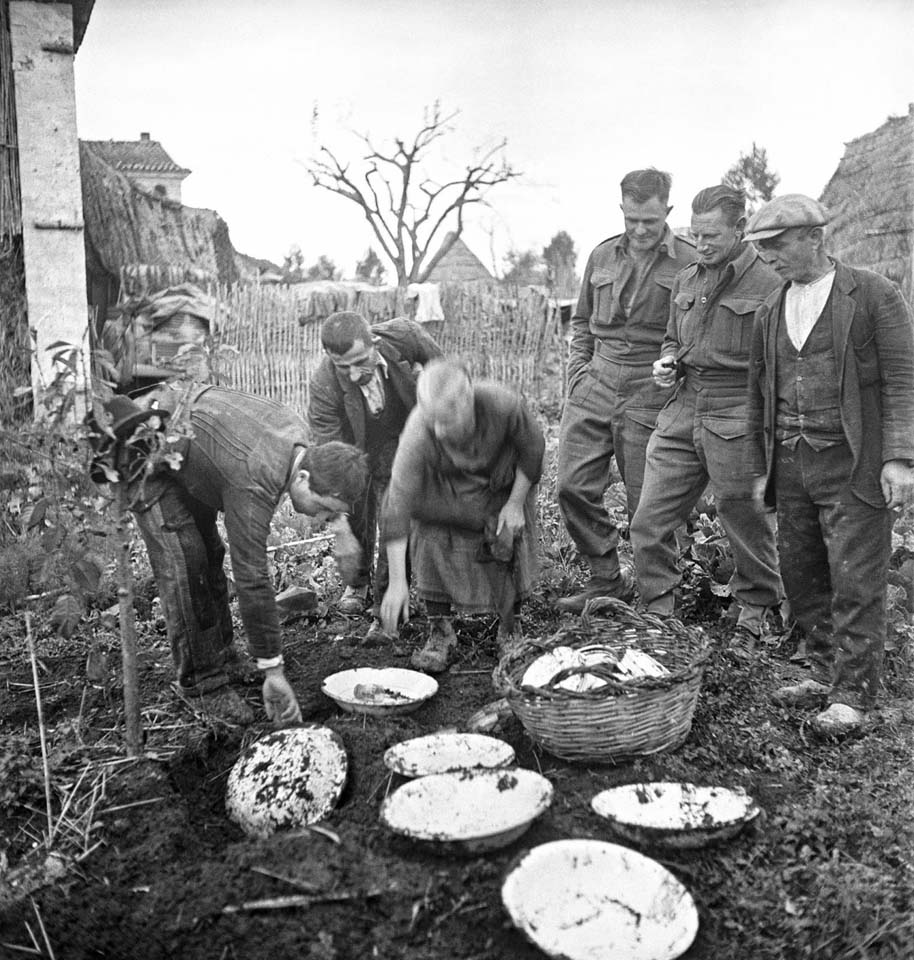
x=699 y=441
x=835 y=552
x=610 y=412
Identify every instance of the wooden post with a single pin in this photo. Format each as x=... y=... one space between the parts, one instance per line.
x=133 y=730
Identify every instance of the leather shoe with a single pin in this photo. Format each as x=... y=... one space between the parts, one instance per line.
x=619 y=587
x=807 y=693
x=436 y=654
x=353 y=601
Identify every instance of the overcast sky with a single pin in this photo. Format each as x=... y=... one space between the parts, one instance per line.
x=583 y=91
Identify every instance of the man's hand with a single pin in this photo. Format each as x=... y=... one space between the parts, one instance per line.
x=395 y=607
x=758 y=489
x=664 y=372
x=897 y=481
x=279 y=698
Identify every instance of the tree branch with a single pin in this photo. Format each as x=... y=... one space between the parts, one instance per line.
x=400 y=226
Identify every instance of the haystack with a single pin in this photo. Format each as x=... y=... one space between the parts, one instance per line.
x=871 y=200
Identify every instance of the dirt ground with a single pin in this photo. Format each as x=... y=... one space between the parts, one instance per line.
x=152 y=863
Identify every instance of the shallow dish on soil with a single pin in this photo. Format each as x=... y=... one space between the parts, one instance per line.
x=380 y=691
x=589 y=900
x=286 y=779
x=470 y=811
x=447 y=752
x=680 y=815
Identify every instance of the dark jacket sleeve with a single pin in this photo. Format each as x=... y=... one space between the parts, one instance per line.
x=755 y=456
x=247 y=523
x=894 y=336
x=326 y=407
x=409 y=338
x=580 y=351
x=671 y=343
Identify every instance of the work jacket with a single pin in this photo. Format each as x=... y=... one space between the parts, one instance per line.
x=336 y=410
x=874 y=349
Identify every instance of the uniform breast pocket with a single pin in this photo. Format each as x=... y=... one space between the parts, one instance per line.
x=603 y=283
x=736 y=317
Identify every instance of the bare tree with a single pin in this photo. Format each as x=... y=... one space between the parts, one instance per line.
x=406 y=208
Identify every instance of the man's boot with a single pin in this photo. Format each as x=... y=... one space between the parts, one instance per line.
x=606 y=580
x=436 y=654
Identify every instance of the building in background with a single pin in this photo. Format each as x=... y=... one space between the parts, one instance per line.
x=144 y=163
x=459 y=265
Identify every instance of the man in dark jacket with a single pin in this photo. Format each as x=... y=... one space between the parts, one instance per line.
x=700 y=433
x=239 y=456
x=361 y=394
x=831 y=434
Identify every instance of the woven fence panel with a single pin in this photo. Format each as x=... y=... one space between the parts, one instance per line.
x=270 y=339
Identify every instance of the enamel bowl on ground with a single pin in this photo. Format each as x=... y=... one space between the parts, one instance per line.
x=380 y=692
x=447 y=752
x=469 y=811
x=286 y=779
x=589 y=900
x=680 y=815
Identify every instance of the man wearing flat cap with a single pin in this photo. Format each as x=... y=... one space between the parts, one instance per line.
x=831 y=436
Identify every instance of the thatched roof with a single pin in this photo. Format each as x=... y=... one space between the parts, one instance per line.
x=871 y=200
x=127 y=228
x=459 y=265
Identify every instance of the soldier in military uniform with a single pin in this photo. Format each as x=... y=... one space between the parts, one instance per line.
x=617 y=329
x=700 y=433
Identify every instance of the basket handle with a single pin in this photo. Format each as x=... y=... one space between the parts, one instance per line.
x=619 y=608
x=597 y=604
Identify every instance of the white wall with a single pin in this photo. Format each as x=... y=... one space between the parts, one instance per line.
x=52 y=212
x=149 y=182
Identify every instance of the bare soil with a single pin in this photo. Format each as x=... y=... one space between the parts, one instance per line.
x=164 y=862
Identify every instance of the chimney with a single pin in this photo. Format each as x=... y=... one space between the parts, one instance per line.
x=144 y=136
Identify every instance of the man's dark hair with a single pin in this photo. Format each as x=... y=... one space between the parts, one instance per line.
x=642 y=185
x=341 y=330
x=336 y=470
x=729 y=200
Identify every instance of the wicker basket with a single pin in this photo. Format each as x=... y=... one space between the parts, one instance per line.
x=623 y=719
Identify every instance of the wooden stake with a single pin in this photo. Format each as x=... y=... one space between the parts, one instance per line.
x=133 y=727
x=30 y=640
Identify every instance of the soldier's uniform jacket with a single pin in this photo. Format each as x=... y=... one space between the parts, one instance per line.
x=712 y=312
x=625 y=319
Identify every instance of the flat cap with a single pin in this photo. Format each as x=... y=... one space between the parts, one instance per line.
x=782 y=213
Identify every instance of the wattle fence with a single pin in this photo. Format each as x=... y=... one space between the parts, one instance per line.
x=268 y=341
